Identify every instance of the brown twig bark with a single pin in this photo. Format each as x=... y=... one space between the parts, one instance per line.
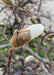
x=9 y=59
x=39 y=8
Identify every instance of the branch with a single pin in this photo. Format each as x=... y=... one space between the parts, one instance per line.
x=43 y=67
x=5 y=46
x=39 y=8
x=36 y=55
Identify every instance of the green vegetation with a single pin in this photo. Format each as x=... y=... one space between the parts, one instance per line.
x=41 y=53
x=1 y=22
x=16 y=65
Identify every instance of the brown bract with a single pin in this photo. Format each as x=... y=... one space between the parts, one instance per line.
x=20 y=39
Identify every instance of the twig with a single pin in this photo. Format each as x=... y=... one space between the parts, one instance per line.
x=43 y=67
x=5 y=46
x=39 y=8
x=36 y=55
x=9 y=59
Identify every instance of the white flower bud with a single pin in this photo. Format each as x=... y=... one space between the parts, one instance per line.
x=35 y=30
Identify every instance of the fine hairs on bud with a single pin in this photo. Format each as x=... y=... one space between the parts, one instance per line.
x=20 y=38
x=25 y=35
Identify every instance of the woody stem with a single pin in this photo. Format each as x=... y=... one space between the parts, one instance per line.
x=22 y=58
x=9 y=59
